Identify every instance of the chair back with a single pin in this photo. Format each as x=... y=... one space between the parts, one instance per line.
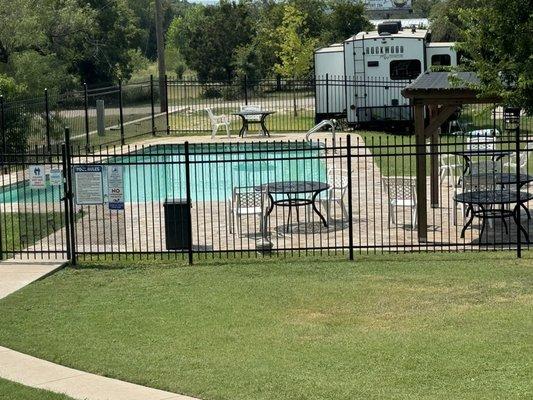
x=210 y=114
x=248 y=197
x=400 y=187
x=481 y=143
x=478 y=182
x=447 y=160
x=338 y=182
x=486 y=167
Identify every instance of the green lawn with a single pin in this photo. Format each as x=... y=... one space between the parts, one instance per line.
x=20 y=230
x=425 y=326
x=14 y=391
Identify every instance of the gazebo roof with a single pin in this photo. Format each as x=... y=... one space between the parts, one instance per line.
x=445 y=88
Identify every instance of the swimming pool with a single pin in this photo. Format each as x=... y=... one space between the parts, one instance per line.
x=157 y=172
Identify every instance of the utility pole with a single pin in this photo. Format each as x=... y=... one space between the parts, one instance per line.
x=160 y=56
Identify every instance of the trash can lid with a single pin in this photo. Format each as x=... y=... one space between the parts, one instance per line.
x=175 y=201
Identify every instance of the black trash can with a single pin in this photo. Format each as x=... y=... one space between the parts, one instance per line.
x=177 y=221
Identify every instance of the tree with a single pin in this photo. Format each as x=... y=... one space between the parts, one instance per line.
x=346 y=18
x=296 y=47
x=498 y=46
x=446 y=26
x=207 y=36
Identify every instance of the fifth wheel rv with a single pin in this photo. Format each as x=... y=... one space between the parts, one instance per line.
x=362 y=78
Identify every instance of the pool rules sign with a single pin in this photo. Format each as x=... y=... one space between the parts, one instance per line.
x=88 y=184
x=115 y=187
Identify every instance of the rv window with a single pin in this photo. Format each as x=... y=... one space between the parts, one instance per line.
x=373 y=63
x=405 y=69
x=441 y=59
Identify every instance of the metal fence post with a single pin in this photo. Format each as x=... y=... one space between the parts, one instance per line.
x=121 y=110
x=189 y=202
x=152 y=105
x=327 y=93
x=47 y=119
x=245 y=89
x=3 y=130
x=518 y=186
x=86 y=109
x=350 y=194
x=69 y=203
x=166 y=102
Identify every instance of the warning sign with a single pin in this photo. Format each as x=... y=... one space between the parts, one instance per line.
x=37 y=176
x=115 y=187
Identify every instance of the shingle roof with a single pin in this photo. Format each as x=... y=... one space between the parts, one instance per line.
x=432 y=81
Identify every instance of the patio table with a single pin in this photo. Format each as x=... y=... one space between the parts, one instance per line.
x=292 y=189
x=246 y=121
x=484 y=199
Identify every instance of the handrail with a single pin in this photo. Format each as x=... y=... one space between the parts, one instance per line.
x=326 y=122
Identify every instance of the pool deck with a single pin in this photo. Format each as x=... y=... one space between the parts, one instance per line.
x=141 y=227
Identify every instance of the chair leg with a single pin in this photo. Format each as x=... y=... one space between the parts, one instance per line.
x=214 y=131
x=413 y=218
x=227 y=130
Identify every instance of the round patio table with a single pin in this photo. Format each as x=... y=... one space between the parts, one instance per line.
x=246 y=120
x=486 y=198
x=293 y=190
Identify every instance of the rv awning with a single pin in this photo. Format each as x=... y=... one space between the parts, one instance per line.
x=445 y=88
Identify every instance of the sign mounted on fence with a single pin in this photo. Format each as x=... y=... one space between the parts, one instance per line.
x=115 y=187
x=37 y=176
x=56 y=177
x=88 y=184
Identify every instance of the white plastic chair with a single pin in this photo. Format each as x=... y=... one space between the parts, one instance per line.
x=217 y=121
x=338 y=181
x=448 y=165
x=247 y=202
x=401 y=192
x=525 y=154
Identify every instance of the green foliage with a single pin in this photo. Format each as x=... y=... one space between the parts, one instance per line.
x=346 y=19
x=446 y=26
x=296 y=47
x=208 y=36
x=498 y=44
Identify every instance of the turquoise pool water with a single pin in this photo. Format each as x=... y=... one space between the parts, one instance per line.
x=157 y=172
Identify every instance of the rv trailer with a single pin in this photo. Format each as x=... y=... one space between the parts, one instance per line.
x=362 y=80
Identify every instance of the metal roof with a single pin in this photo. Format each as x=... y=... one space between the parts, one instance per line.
x=405 y=33
x=432 y=81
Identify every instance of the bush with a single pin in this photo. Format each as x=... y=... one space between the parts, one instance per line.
x=211 y=92
x=232 y=92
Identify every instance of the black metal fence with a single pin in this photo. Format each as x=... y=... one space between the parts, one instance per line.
x=257 y=199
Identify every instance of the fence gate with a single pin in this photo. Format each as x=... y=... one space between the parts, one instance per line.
x=34 y=221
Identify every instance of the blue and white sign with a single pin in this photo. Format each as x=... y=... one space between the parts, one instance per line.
x=56 y=177
x=115 y=187
x=89 y=187
x=37 y=177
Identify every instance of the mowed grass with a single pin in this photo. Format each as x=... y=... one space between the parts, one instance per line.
x=14 y=391
x=425 y=326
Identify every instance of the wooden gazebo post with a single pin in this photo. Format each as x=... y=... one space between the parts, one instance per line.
x=434 y=90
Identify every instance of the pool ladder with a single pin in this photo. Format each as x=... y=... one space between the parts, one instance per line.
x=332 y=123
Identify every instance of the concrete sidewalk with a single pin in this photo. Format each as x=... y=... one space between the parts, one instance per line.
x=15 y=274
x=31 y=371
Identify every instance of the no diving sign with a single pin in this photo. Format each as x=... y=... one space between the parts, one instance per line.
x=37 y=176
x=115 y=187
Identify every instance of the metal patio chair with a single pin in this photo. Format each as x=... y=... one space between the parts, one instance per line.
x=218 y=121
x=247 y=203
x=338 y=181
x=401 y=193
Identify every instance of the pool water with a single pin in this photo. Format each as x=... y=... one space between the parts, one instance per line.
x=157 y=172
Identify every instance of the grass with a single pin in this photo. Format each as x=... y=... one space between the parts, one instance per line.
x=20 y=230
x=14 y=391
x=431 y=326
